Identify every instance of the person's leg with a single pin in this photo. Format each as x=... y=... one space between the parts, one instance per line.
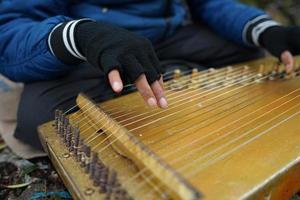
x=199 y=44
x=40 y=99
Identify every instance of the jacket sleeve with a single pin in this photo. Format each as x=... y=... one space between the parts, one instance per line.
x=24 y=29
x=228 y=18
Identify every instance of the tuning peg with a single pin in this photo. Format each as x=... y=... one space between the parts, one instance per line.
x=76 y=138
x=87 y=158
x=194 y=83
x=261 y=73
x=245 y=76
x=274 y=72
x=67 y=138
x=175 y=83
x=228 y=76
x=177 y=74
x=61 y=124
x=104 y=172
x=212 y=78
x=57 y=118
x=111 y=183
x=93 y=164
x=65 y=127
x=195 y=73
x=97 y=174
x=83 y=157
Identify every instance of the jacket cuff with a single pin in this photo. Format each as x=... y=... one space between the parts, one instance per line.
x=255 y=27
x=62 y=42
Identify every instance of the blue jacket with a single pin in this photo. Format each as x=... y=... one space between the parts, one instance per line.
x=26 y=24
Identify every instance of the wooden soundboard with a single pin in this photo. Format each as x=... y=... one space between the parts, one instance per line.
x=228 y=133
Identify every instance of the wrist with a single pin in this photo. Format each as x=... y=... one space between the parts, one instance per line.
x=63 y=44
x=256 y=27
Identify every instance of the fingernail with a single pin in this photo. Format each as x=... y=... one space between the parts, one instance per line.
x=152 y=102
x=163 y=103
x=117 y=86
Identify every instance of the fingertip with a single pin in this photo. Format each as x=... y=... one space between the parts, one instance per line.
x=115 y=81
x=152 y=102
x=163 y=102
x=117 y=86
x=288 y=61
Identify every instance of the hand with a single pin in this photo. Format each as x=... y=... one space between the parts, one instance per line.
x=282 y=42
x=123 y=55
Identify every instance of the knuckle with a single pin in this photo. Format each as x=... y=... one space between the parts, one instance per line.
x=158 y=90
x=145 y=91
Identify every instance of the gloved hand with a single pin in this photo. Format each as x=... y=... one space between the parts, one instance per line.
x=121 y=54
x=282 y=42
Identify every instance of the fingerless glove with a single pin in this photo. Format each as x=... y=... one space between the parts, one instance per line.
x=106 y=46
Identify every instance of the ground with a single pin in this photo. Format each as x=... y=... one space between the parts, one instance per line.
x=28 y=179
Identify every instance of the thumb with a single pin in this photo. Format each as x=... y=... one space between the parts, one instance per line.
x=288 y=60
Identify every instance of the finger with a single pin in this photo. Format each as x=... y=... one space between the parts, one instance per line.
x=288 y=60
x=161 y=82
x=159 y=94
x=150 y=71
x=145 y=90
x=115 y=80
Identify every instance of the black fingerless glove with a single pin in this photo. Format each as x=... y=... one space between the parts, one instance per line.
x=262 y=31
x=105 y=46
x=278 y=39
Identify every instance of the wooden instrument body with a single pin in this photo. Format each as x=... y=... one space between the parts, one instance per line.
x=232 y=141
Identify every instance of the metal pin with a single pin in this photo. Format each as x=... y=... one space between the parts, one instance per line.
x=65 y=126
x=88 y=159
x=112 y=179
x=194 y=84
x=274 y=72
x=103 y=178
x=211 y=76
x=76 y=141
x=244 y=75
x=175 y=84
x=61 y=126
x=82 y=156
x=228 y=78
x=57 y=116
x=93 y=165
x=177 y=74
x=97 y=174
x=68 y=136
x=260 y=74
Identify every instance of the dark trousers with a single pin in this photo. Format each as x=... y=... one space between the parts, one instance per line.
x=193 y=44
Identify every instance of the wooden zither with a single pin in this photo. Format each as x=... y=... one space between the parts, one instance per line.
x=228 y=133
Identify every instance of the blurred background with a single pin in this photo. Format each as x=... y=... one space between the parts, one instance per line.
x=284 y=11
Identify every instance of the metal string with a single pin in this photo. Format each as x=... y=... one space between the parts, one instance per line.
x=173 y=112
x=111 y=114
x=198 y=76
x=148 y=112
x=219 y=138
